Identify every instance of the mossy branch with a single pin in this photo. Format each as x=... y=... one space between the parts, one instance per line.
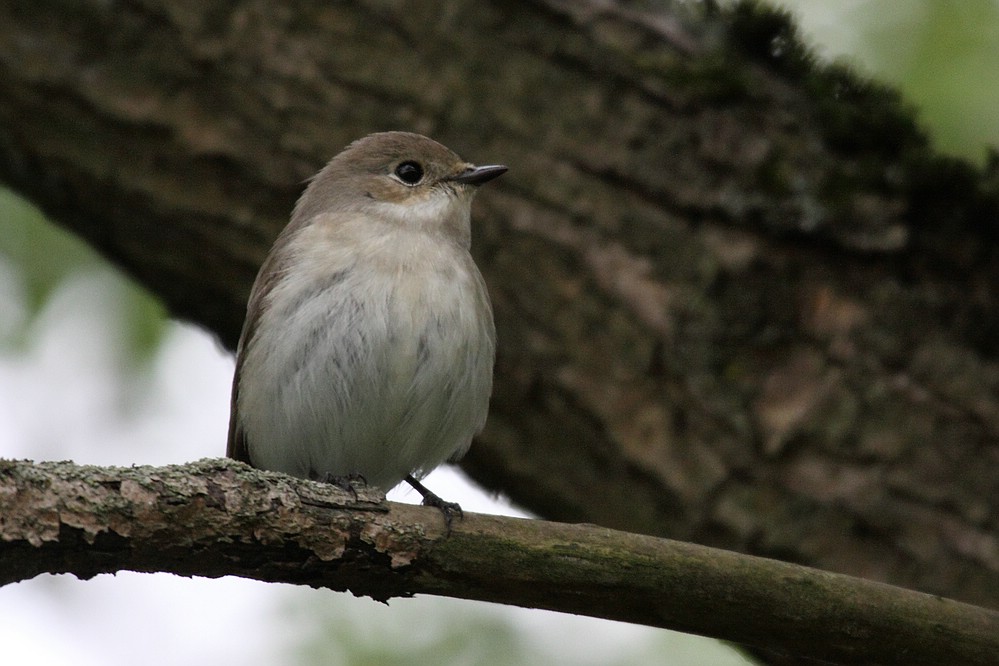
x=218 y=517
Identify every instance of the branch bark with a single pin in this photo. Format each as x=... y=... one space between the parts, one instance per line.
x=739 y=299
x=219 y=517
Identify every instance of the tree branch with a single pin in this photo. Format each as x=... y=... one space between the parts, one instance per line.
x=219 y=517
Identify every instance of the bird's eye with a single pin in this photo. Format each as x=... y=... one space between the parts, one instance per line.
x=409 y=172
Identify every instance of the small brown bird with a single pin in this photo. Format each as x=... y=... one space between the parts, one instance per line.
x=368 y=345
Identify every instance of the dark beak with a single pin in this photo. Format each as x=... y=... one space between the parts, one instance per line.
x=481 y=174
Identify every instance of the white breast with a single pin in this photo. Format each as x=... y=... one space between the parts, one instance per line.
x=377 y=362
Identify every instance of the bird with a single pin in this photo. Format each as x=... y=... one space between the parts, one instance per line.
x=368 y=347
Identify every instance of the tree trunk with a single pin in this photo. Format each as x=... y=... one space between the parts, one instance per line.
x=739 y=300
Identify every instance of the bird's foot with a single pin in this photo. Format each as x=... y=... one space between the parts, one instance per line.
x=448 y=509
x=349 y=482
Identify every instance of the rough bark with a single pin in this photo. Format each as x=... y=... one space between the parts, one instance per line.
x=220 y=517
x=740 y=302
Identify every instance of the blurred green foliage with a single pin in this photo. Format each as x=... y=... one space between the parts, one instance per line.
x=42 y=253
x=942 y=54
x=434 y=631
x=40 y=256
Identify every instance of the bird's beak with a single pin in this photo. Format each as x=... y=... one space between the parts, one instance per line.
x=477 y=175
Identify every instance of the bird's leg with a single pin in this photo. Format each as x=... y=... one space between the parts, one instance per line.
x=449 y=509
